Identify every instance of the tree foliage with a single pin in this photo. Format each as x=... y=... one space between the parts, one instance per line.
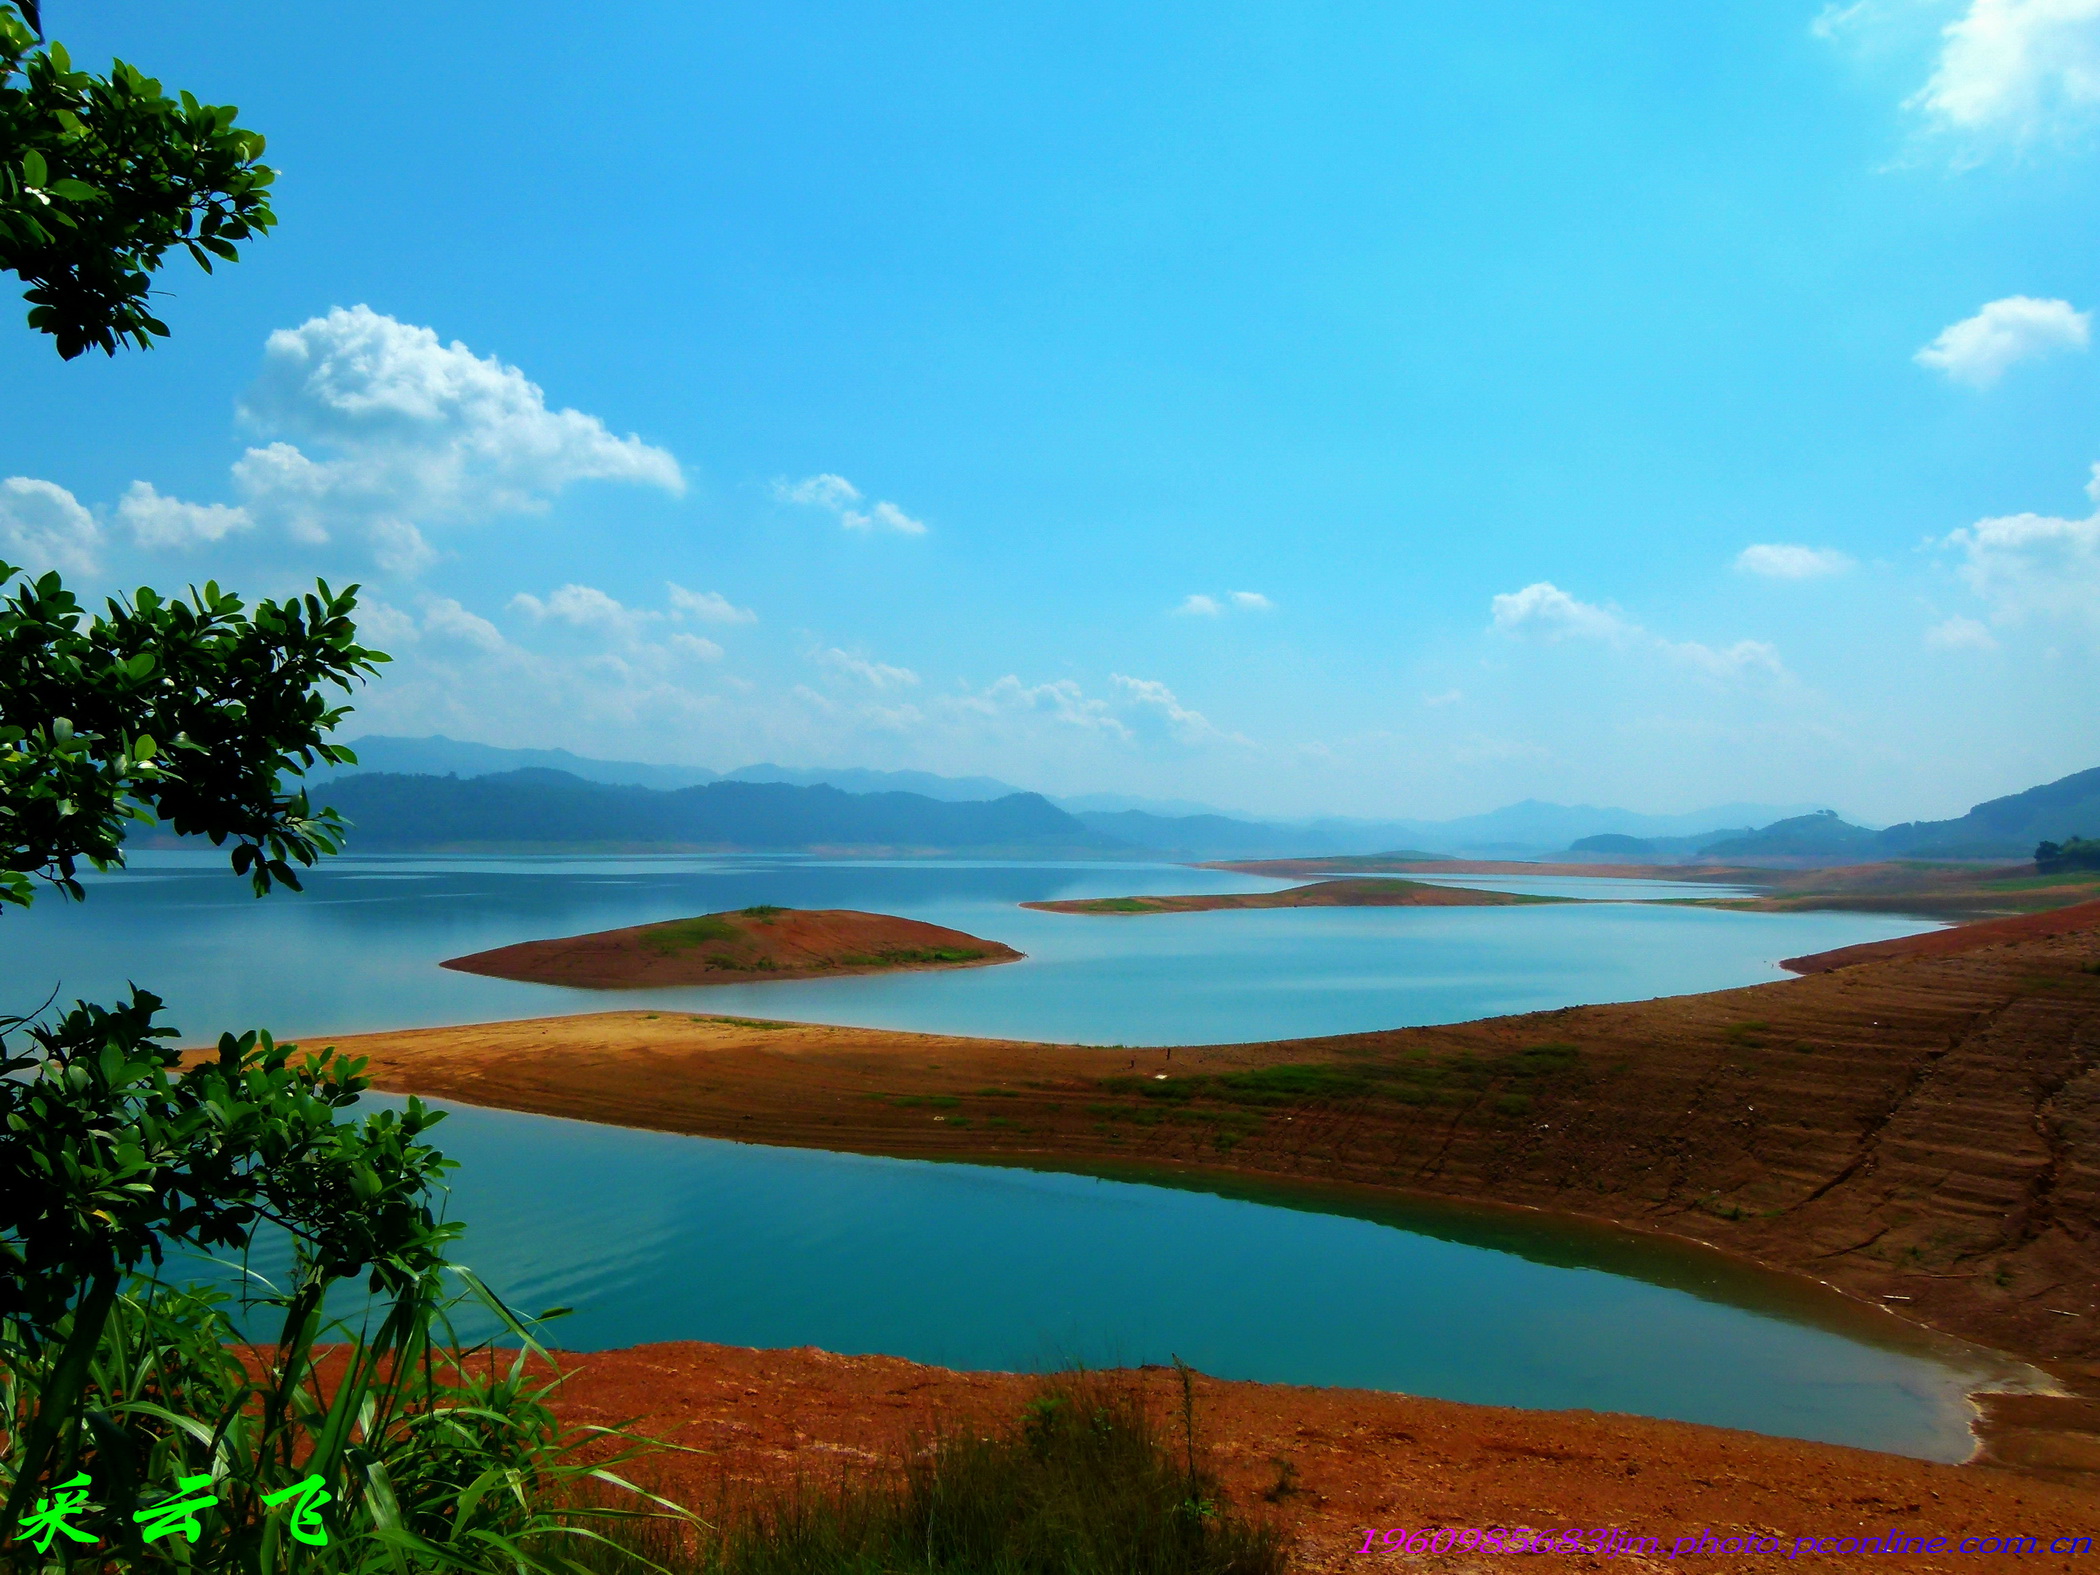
x=101 y=177
x=191 y=711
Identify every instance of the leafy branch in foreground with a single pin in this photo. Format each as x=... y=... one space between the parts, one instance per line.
x=188 y=710
x=100 y=177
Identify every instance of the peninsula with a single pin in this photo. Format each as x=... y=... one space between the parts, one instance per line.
x=1375 y=892
x=747 y=946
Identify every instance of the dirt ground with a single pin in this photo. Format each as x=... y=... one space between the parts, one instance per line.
x=1921 y=1133
x=1327 y=1464
x=755 y=944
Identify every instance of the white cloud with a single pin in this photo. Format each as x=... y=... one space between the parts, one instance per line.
x=886 y=515
x=1728 y=662
x=2034 y=565
x=413 y=432
x=1448 y=697
x=694 y=646
x=156 y=521
x=1978 y=350
x=1062 y=700
x=1779 y=561
x=1960 y=634
x=43 y=527
x=707 y=606
x=1199 y=605
x=2016 y=70
x=1549 y=612
x=447 y=619
x=585 y=607
x=823 y=491
x=1151 y=698
x=877 y=675
x=835 y=493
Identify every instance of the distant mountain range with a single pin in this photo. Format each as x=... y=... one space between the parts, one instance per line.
x=1171 y=827
x=2008 y=828
x=437 y=791
x=542 y=808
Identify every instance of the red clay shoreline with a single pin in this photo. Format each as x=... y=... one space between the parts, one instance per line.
x=1918 y=1132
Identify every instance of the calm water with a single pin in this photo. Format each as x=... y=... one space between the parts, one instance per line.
x=659 y=1237
x=359 y=950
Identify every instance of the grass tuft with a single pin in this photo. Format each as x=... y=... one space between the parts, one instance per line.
x=1082 y=1484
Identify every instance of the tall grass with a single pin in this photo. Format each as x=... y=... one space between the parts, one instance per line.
x=1082 y=1484
x=436 y=1454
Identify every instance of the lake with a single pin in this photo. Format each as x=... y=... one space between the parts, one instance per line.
x=358 y=950
x=655 y=1237
x=652 y=1236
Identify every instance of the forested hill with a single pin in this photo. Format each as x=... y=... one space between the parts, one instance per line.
x=543 y=808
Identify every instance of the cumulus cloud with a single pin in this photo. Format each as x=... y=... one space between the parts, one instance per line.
x=432 y=423
x=157 y=521
x=837 y=495
x=1779 y=561
x=1724 y=661
x=2016 y=70
x=44 y=527
x=1199 y=605
x=696 y=646
x=1153 y=700
x=1061 y=700
x=585 y=607
x=448 y=620
x=2035 y=566
x=1978 y=350
x=822 y=491
x=406 y=434
x=1544 y=611
x=707 y=606
x=877 y=675
x=1960 y=634
x=886 y=516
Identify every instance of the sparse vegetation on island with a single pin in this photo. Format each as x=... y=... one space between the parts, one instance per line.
x=764 y=942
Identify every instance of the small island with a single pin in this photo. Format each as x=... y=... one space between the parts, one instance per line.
x=748 y=946
x=1320 y=894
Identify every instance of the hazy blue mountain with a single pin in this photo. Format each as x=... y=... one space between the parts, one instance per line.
x=2006 y=827
x=1822 y=835
x=855 y=779
x=1612 y=844
x=439 y=756
x=542 y=808
x=1174 y=827
x=1116 y=803
x=1537 y=825
x=1210 y=836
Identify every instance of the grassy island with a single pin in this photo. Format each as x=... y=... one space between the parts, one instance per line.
x=742 y=947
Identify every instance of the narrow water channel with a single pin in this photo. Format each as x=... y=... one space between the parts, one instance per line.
x=651 y=1236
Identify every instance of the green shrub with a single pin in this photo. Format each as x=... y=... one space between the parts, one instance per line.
x=682 y=935
x=1084 y=1484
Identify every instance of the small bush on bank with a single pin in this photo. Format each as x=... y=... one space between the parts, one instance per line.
x=1083 y=1484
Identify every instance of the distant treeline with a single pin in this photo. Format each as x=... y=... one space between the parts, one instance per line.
x=2075 y=853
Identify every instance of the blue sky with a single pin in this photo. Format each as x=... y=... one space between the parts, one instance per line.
x=1346 y=408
